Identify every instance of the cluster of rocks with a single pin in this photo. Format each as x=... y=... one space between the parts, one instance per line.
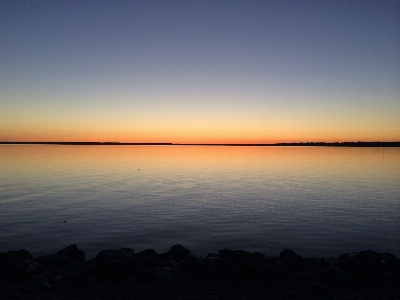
x=229 y=273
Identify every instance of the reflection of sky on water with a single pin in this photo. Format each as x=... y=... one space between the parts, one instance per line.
x=316 y=200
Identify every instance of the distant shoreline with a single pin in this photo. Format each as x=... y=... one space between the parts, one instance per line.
x=312 y=144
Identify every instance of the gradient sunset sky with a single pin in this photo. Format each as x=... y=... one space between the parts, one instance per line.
x=200 y=71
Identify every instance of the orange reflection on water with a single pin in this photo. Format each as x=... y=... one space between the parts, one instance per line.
x=25 y=160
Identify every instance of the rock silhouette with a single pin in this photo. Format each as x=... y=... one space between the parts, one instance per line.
x=230 y=274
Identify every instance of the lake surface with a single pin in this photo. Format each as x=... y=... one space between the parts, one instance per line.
x=318 y=201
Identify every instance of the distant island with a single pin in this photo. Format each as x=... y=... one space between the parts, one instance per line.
x=324 y=144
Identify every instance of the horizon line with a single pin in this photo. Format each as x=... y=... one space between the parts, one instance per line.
x=348 y=143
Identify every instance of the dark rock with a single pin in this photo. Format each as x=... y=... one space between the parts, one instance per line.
x=212 y=255
x=148 y=258
x=147 y=254
x=166 y=275
x=190 y=265
x=57 y=281
x=118 y=269
x=273 y=272
x=87 y=275
x=203 y=267
x=208 y=266
x=389 y=262
x=60 y=270
x=291 y=259
x=74 y=253
x=107 y=256
x=260 y=255
x=366 y=266
x=170 y=263
x=360 y=275
x=315 y=264
x=56 y=262
x=178 y=252
x=20 y=270
x=335 y=276
x=238 y=263
x=303 y=278
x=162 y=257
x=270 y=259
x=394 y=266
x=18 y=265
x=387 y=257
x=224 y=253
x=6 y=257
x=124 y=263
x=302 y=282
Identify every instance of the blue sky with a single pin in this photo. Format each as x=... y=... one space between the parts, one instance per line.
x=200 y=71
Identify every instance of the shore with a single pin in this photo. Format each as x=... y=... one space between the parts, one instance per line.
x=176 y=274
x=296 y=144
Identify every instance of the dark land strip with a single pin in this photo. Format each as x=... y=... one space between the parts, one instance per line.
x=324 y=144
x=176 y=274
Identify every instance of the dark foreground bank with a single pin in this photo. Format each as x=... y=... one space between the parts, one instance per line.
x=176 y=274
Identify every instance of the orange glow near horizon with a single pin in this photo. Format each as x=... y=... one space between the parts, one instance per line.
x=145 y=137
x=28 y=159
x=191 y=130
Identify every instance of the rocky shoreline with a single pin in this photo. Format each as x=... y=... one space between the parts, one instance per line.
x=176 y=274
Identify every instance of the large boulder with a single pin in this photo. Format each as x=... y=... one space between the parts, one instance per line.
x=292 y=260
x=60 y=270
x=165 y=275
x=107 y=256
x=367 y=266
x=336 y=276
x=300 y=283
x=239 y=263
x=148 y=254
x=190 y=265
x=178 y=252
x=315 y=264
x=118 y=269
x=74 y=253
x=18 y=265
x=56 y=262
x=273 y=271
x=208 y=266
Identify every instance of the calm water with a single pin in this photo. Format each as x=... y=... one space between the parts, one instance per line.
x=318 y=201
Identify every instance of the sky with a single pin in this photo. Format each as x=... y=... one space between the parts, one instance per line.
x=200 y=71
